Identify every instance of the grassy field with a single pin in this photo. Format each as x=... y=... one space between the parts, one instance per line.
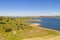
x=15 y=28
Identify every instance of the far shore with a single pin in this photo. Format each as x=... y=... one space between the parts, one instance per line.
x=33 y=20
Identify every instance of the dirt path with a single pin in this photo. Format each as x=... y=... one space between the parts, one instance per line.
x=45 y=38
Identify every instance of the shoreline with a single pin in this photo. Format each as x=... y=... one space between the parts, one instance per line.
x=33 y=20
x=49 y=29
x=37 y=24
x=49 y=37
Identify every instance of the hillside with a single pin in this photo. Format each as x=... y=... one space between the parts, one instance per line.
x=15 y=28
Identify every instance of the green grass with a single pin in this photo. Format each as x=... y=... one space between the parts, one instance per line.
x=23 y=29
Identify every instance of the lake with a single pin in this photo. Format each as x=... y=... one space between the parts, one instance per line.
x=51 y=23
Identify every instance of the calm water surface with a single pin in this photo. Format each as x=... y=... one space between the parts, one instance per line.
x=51 y=23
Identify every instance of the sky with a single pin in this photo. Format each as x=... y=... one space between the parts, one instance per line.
x=29 y=7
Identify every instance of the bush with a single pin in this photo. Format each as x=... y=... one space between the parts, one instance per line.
x=2 y=23
x=8 y=30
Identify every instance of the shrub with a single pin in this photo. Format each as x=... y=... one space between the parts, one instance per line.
x=8 y=30
x=2 y=23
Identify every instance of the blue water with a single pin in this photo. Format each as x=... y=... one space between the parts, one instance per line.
x=51 y=23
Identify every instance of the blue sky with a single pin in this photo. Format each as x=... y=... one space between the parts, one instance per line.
x=29 y=7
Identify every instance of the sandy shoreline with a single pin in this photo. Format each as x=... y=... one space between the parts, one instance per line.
x=49 y=29
x=36 y=24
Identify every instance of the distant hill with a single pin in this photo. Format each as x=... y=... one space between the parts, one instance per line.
x=44 y=16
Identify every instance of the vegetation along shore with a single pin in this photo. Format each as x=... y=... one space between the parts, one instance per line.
x=15 y=28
